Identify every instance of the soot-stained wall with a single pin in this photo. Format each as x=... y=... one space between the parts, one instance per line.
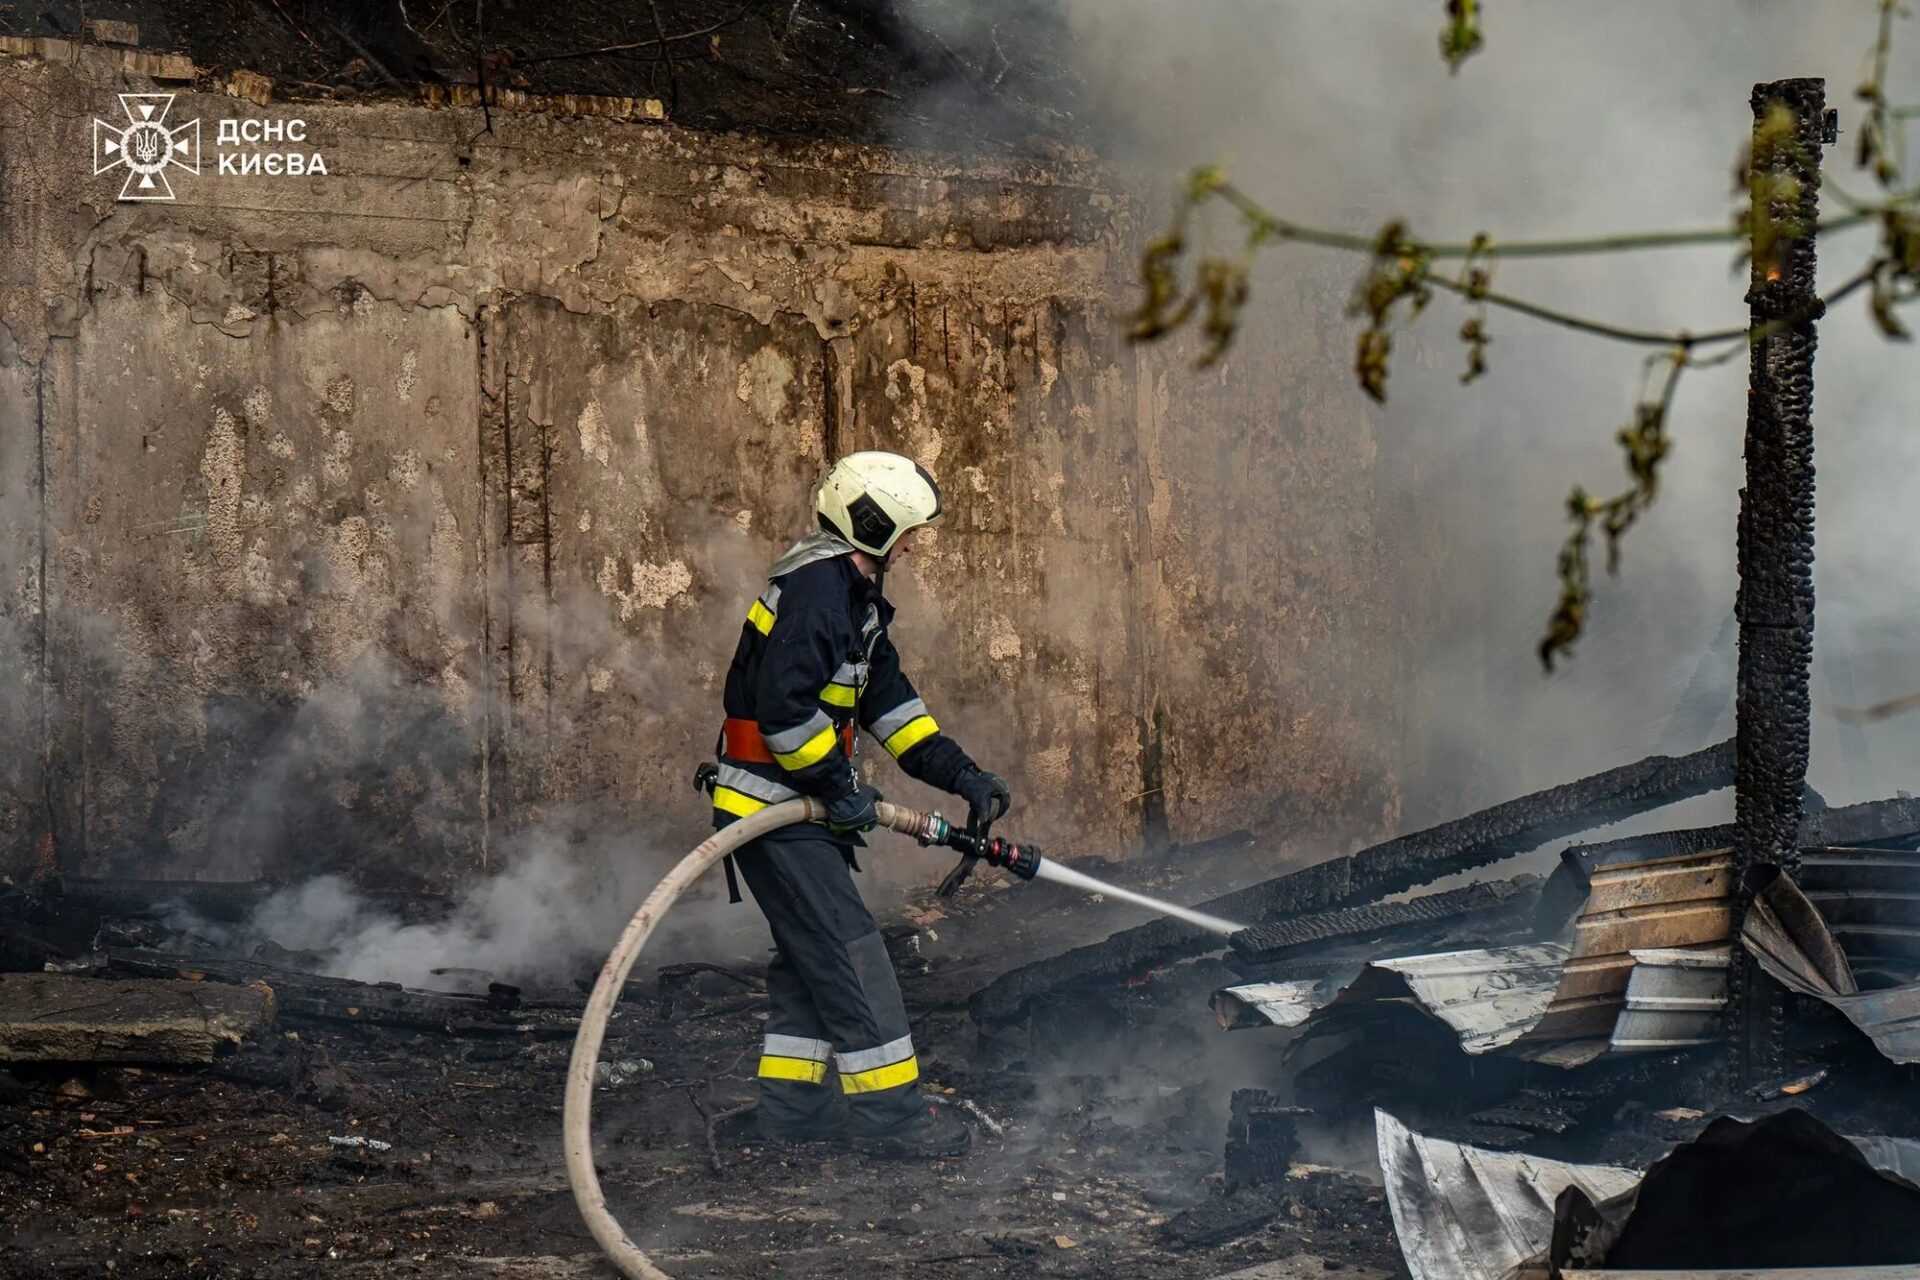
x=356 y=522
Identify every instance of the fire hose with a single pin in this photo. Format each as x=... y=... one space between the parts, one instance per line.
x=577 y=1120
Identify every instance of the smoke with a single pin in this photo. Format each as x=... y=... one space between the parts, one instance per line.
x=373 y=776
x=1574 y=120
x=547 y=918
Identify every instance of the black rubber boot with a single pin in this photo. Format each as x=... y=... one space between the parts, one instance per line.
x=752 y=1127
x=932 y=1134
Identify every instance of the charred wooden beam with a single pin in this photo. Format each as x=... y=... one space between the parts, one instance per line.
x=1775 y=605
x=313 y=998
x=1875 y=821
x=1775 y=534
x=1262 y=1138
x=1275 y=941
x=1406 y=862
x=226 y=901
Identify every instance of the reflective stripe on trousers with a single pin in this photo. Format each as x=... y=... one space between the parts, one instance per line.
x=883 y=1067
x=830 y=982
x=794 y=1058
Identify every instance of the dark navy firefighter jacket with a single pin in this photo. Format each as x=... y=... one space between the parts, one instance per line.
x=814 y=659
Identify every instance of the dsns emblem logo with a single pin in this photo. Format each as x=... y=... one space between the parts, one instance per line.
x=146 y=146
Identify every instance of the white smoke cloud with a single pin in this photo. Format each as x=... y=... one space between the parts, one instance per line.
x=1575 y=119
x=547 y=918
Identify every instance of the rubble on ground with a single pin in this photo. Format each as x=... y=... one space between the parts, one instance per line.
x=376 y=1129
x=1563 y=1023
x=59 y=1018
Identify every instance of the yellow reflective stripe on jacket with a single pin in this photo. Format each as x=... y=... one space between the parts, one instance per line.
x=894 y=719
x=727 y=800
x=845 y=687
x=789 y=740
x=909 y=735
x=801 y=1069
x=811 y=751
x=887 y=1077
x=760 y=618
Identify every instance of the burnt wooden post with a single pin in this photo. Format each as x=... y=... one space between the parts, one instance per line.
x=1775 y=602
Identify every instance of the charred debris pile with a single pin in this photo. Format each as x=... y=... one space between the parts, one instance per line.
x=1509 y=1043
x=1576 y=1023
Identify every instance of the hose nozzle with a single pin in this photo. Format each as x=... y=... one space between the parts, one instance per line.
x=931 y=830
x=1022 y=860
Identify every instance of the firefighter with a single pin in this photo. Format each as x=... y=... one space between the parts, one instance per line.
x=815 y=660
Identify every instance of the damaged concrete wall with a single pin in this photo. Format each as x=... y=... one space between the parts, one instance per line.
x=390 y=512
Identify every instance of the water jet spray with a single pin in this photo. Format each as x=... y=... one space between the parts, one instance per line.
x=1027 y=862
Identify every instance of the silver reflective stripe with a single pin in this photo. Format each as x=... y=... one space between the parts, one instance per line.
x=791 y=740
x=797 y=1047
x=885 y=726
x=772 y=598
x=851 y=674
x=752 y=784
x=873 y=620
x=867 y=1059
x=818 y=545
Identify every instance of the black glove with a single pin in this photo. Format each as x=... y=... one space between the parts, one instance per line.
x=988 y=798
x=853 y=811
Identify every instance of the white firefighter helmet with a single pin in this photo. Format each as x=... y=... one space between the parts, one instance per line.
x=872 y=498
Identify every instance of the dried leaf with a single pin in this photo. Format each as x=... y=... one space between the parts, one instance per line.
x=1370 y=362
x=1646 y=444
x=1461 y=37
x=1224 y=284
x=1163 y=309
x=1473 y=332
x=1880 y=305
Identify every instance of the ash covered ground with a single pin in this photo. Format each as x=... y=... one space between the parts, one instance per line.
x=371 y=1129
x=1110 y=1158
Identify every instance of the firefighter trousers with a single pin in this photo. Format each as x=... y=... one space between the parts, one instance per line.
x=837 y=1027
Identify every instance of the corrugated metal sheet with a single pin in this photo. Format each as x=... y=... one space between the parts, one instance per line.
x=1651 y=904
x=1898 y=1156
x=1779 y=937
x=1675 y=999
x=1646 y=971
x=1465 y=1213
x=1890 y=1017
x=1490 y=998
x=1462 y=1213
x=1870 y=899
x=1267 y=1004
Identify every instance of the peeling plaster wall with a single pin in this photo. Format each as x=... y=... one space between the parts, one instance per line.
x=22 y=612
x=389 y=512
